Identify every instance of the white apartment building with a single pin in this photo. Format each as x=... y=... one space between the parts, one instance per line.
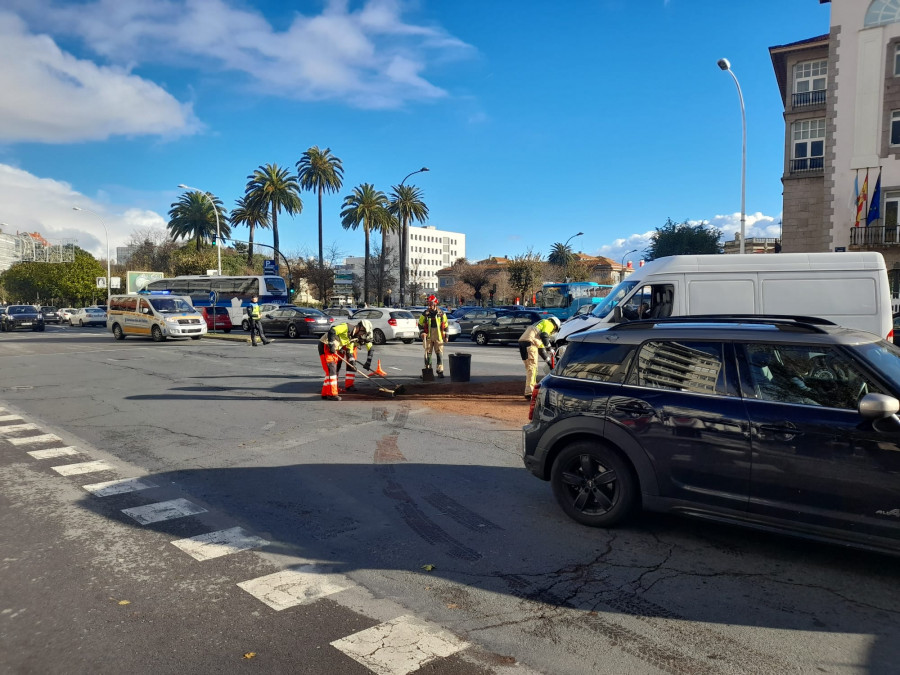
x=430 y=250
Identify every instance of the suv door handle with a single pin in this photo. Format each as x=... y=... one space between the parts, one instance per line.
x=634 y=408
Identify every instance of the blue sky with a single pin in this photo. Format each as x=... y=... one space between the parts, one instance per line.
x=537 y=120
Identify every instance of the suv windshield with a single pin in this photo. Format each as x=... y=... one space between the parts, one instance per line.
x=170 y=305
x=21 y=310
x=615 y=296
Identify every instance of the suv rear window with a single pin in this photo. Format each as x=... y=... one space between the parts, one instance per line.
x=596 y=361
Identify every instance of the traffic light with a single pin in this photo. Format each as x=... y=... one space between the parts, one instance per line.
x=291 y=291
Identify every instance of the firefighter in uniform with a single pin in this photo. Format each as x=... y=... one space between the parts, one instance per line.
x=533 y=343
x=336 y=346
x=433 y=330
x=253 y=314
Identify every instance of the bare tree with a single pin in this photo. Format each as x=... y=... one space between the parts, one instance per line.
x=524 y=273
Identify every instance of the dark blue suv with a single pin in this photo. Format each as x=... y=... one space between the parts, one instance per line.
x=777 y=423
x=22 y=316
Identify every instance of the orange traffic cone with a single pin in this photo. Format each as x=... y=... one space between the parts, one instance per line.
x=378 y=370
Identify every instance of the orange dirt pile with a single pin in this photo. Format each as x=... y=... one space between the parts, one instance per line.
x=501 y=400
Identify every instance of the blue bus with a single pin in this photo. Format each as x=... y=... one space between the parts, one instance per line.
x=562 y=300
x=234 y=293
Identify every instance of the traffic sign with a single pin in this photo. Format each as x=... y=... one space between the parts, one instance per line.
x=270 y=267
x=212 y=298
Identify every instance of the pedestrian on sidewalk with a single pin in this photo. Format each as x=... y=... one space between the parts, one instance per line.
x=253 y=314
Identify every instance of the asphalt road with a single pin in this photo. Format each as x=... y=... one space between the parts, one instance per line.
x=261 y=527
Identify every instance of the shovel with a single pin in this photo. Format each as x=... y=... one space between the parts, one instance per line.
x=428 y=371
x=396 y=391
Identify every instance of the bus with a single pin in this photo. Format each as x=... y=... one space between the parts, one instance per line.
x=562 y=300
x=234 y=293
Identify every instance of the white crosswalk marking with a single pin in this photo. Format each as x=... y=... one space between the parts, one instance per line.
x=154 y=513
x=118 y=487
x=81 y=467
x=9 y=428
x=10 y=418
x=399 y=646
x=300 y=585
x=216 y=544
x=28 y=440
x=54 y=452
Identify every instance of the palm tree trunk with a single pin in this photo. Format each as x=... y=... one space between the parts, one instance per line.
x=366 y=269
x=403 y=261
x=275 y=232
x=321 y=263
x=250 y=244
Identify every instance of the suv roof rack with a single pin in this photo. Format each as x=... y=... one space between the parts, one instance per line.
x=809 y=324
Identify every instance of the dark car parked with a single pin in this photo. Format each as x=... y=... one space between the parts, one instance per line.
x=507 y=327
x=51 y=314
x=769 y=422
x=296 y=321
x=21 y=316
x=475 y=316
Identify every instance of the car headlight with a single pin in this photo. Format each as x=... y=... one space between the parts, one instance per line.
x=172 y=320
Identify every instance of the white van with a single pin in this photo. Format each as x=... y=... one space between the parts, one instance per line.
x=850 y=289
x=154 y=316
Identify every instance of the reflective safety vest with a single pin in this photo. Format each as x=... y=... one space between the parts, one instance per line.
x=254 y=311
x=538 y=334
x=433 y=319
x=338 y=337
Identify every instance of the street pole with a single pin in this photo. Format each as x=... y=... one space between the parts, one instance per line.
x=404 y=244
x=566 y=249
x=79 y=208
x=724 y=64
x=216 y=213
x=623 y=262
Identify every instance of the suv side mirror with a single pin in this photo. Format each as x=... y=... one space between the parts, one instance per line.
x=617 y=314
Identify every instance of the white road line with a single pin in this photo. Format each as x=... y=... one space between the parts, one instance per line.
x=54 y=452
x=154 y=513
x=399 y=646
x=118 y=487
x=10 y=418
x=28 y=440
x=216 y=544
x=81 y=467
x=301 y=585
x=27 y=426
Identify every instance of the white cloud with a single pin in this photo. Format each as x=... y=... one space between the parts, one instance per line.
x=43 y=205
x=51 y=96
x=369 y=57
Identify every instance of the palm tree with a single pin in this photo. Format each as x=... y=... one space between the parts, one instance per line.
x=406 y=205
x=273 y=189
x=367 y=207
x=319 y=170
x=192 y=217
x=561 y=255
x=248 y=213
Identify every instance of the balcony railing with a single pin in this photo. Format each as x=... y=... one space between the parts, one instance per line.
x=807 y=98
x=874 y=236
x=808 y=165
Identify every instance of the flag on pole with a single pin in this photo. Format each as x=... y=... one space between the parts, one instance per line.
x=875 y=206
x=862 y=200
x=854 y=204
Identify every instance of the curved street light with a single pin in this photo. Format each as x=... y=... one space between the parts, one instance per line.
x=404 y=244
x=79 y=208
x=566 y=249
x=634 y=250
x=216 y=212
x=724 y=64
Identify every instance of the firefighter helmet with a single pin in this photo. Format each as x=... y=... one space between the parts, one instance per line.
x=556 y=322
x=368 y=331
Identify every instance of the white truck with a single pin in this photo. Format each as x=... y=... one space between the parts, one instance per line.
x=850 y=289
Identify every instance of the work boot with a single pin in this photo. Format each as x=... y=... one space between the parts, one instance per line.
x=528 y=396
x=332 y=398
x=268 y=341
x=440 y=373
x=351 y=388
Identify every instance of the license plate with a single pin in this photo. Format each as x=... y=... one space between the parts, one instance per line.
x=26 y=323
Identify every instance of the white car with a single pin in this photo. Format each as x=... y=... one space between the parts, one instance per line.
x=454 y=329
x=88 y=316
x=389 y=324
x=65 y=314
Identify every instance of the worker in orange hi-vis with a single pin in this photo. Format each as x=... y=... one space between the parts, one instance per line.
x=338 y=346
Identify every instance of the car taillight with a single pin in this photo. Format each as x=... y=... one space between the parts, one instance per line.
x=891 y=335
x=309 y=319
x=534 y=395
x=330 y=319
x=392 y=322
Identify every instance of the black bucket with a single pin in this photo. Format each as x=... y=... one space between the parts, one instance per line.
x=460 y=367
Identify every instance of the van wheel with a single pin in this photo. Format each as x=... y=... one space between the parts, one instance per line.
x=593 y=485
x=157 y=334
x=292 y=331
x=378 y=337
x=118 y=333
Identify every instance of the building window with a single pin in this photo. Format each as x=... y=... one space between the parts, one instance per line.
x=897 y=61
x=895 y=127
x=810 y=79
x=882 y=12
x=809 y=146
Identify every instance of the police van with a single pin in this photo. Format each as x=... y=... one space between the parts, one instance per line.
x=154 y=316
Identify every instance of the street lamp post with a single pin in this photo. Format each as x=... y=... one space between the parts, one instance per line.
x=216 y=213
x=724 y=64
x=566 y=250
x=404 y=244
x=623 y=262
x=79 y=208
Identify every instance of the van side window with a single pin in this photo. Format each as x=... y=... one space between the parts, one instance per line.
x=595 y=361
x=144 y=306
x=696 y=367
x=650 y=302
